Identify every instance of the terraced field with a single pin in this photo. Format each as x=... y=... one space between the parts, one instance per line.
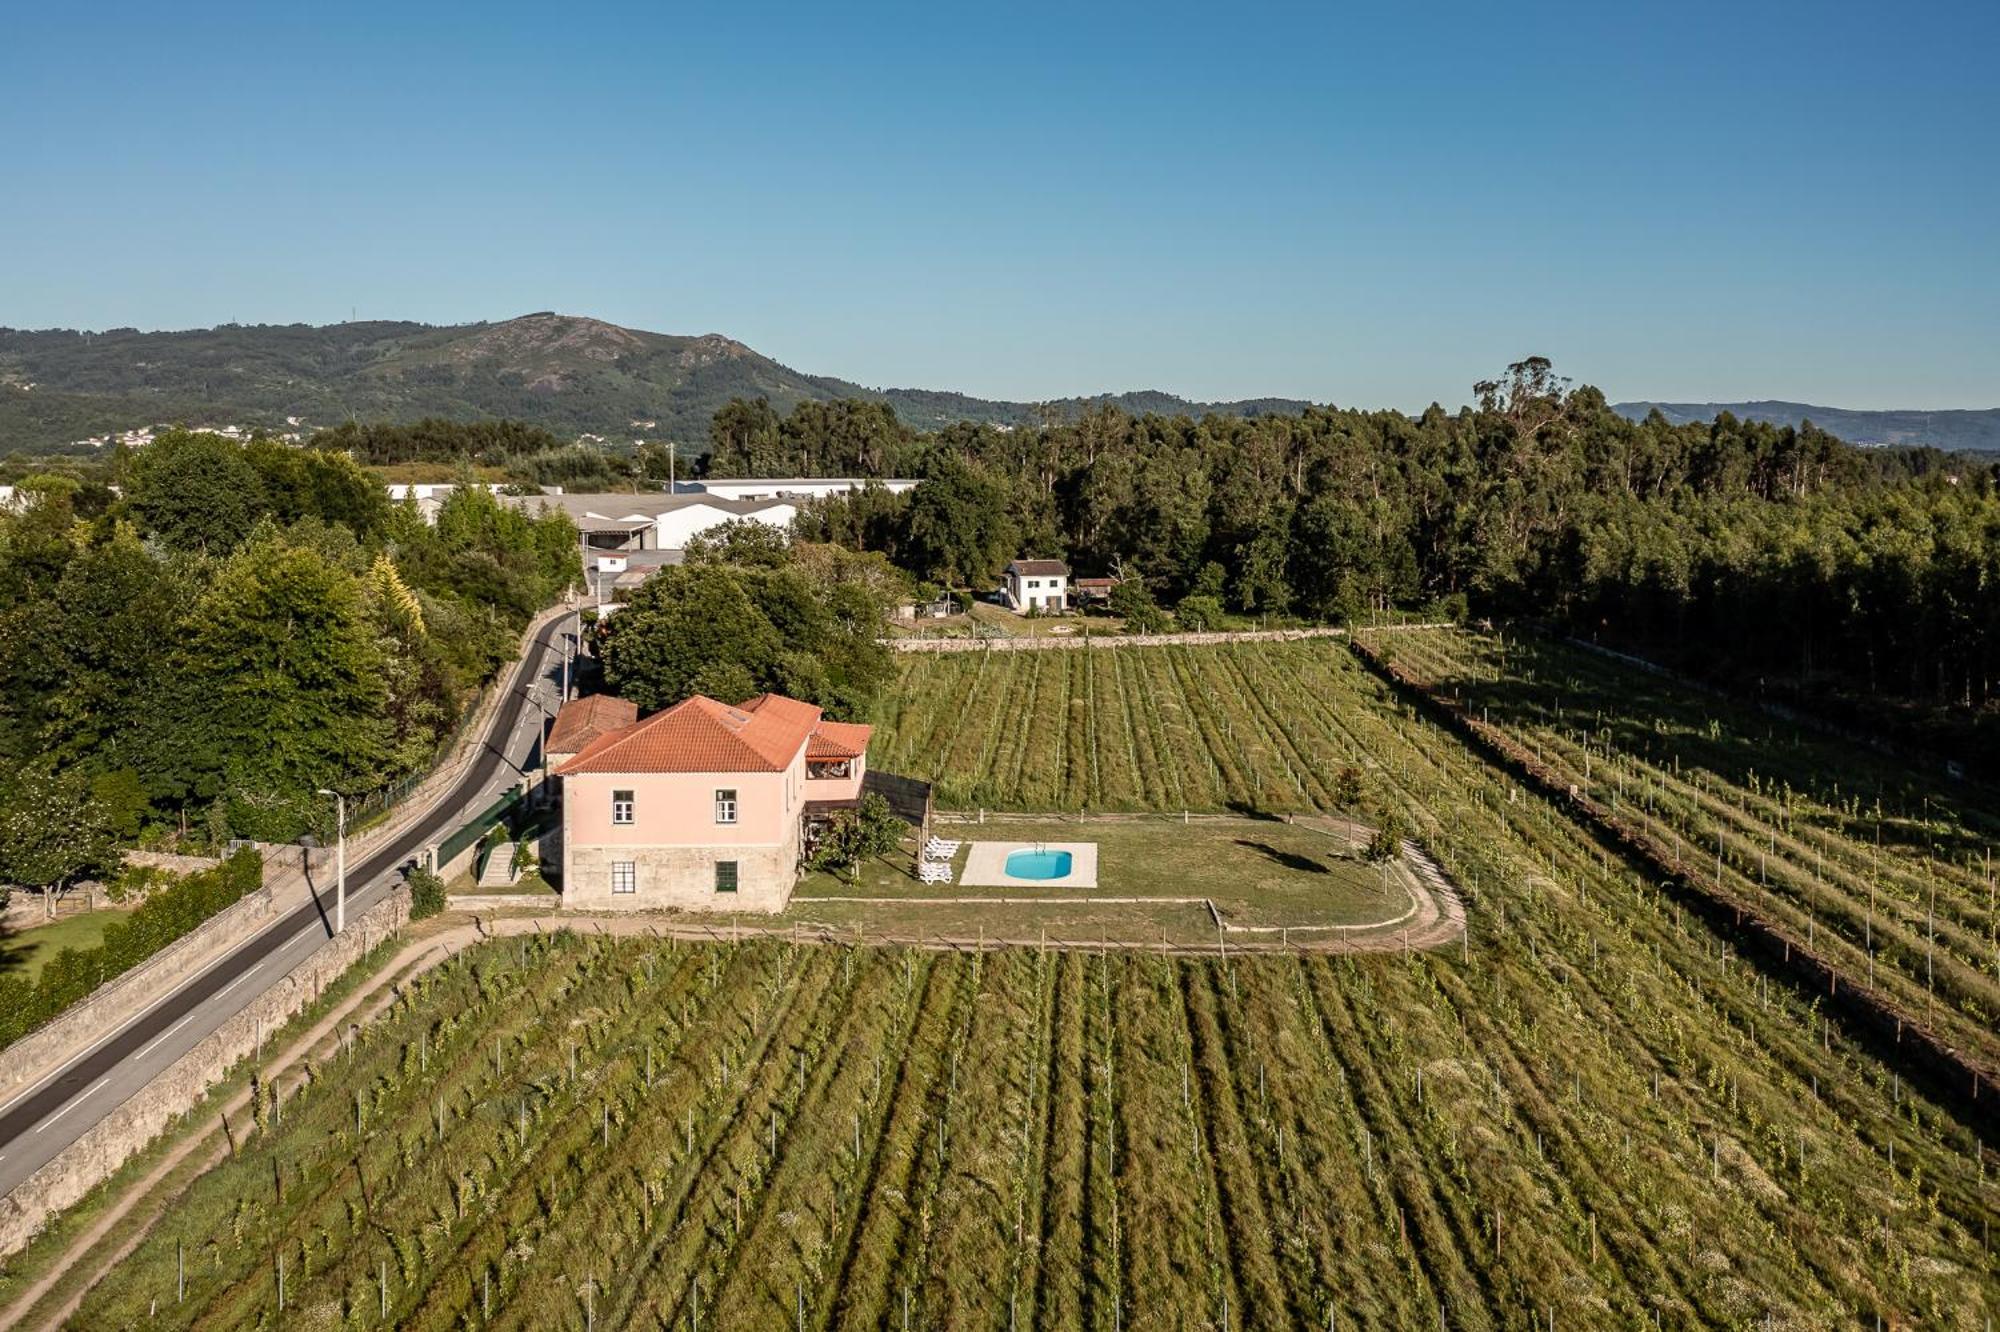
x=1860 y=856
x=1590 y=1114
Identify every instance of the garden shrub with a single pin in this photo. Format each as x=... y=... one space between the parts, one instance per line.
x=166 y=915
x=426 y=894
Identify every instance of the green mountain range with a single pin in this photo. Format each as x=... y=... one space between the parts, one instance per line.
x=571 y=374
x=1952 y=431
x=582 y=376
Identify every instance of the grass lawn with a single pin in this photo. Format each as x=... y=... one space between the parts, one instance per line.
x=25 y=953
x=1257 y=872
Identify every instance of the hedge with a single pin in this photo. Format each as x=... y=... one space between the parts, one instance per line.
x=166 y=915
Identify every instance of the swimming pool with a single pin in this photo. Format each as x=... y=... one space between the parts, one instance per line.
x=1030 y=864
x=1038 y=863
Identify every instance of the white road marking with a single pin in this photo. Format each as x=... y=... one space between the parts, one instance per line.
x=163 y=1035
x=239 y=980
x=73 y=1104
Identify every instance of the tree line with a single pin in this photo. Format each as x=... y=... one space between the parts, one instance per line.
x=200 y=635
x=1767 y=554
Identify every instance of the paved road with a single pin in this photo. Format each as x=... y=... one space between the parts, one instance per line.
x=41 y=1121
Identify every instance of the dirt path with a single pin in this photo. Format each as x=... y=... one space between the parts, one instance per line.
x=1437 y=918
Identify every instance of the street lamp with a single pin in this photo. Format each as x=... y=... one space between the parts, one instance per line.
x=339 y=861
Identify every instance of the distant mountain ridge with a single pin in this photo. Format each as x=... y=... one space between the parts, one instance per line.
x=569 y=373
x=1977 y=430
x=577 y=375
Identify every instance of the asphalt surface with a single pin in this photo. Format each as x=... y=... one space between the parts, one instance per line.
x=40 y=1121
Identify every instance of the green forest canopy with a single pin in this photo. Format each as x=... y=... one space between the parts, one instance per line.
x=241 y=625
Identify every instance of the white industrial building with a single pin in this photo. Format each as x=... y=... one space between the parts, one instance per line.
x=627 y=536
x=791 y=487
x=429 y=496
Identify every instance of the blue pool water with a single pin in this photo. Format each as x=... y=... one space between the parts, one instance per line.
x=1026 y=864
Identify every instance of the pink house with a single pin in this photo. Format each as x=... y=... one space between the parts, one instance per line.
x=701 y=806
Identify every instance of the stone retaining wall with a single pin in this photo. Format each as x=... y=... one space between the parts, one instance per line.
x=113 y=1140
x=173 y=862
x=1127 y=640
x=503 y=902
x=124 y=997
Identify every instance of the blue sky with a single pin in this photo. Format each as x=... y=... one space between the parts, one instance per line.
x=1367 y=204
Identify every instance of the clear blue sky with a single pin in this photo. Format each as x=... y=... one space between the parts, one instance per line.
x=1368 y=204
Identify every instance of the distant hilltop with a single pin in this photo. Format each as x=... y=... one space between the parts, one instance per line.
x=573 y=375
x=1951 y=431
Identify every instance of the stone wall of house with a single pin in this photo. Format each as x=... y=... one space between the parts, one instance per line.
x=110 y=1142
x=681 y=878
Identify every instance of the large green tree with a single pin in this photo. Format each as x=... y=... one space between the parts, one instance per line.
x=291 y=685
x=54 y=831
x=195 y=492
x=959 y=529
x=685 y=631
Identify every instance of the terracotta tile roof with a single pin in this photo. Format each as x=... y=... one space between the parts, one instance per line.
x=838 y=740
x=1039 y=568
x=1097 y=582
x=699 y=734
x=777 y=705
x=582 y=720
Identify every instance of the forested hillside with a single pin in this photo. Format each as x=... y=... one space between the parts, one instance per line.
x=192 y=657
x=567 y=374
x=1976 y=430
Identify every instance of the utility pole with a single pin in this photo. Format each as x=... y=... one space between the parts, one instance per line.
x=339 y=860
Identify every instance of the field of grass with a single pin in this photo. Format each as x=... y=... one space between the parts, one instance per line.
x=1592 y=1115
x=1257 y=872
x=1878 y=864
x=24 y=952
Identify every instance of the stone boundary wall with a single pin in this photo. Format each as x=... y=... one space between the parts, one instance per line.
x=124 y=997
x=113 y=1140
x=172 y=862
x=471 y=737
x=502 y=902
x=1130 y=640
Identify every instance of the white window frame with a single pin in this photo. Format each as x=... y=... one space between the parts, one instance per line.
x=624 y=877
x=623 y=812
x=725 y=804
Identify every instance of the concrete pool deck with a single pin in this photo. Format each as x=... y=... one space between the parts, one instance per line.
x=986 y=865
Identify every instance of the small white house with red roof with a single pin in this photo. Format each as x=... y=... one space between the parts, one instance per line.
x=702 y=806
x=1036 y=585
